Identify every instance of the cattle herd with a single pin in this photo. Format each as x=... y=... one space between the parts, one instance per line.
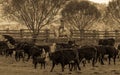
x=69 y=53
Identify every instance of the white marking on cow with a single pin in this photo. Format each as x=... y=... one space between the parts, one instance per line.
x=10 y=45
x=53 y=48
x=43 y=55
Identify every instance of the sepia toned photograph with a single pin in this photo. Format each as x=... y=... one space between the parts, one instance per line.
x=59 y=37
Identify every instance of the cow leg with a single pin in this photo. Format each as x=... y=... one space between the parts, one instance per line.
x=28 y=57
x=101 y=60
x=44 y=65
x=53 y=65
x=35 y=65
x=109 y=59
x=22 y=58
x=84 y=62
x=71 y=66
x=18 y=58
x=77 y=63
x=62 y=65
x=41 y=65
x=93 y=62
x=114 y=59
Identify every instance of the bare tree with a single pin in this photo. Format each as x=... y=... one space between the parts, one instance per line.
x=114 y=10
x=35 y=14
x=79 y=15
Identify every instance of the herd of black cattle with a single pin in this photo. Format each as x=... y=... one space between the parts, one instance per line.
x=68 y=53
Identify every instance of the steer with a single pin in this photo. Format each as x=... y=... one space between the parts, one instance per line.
x=112 y=53
x=89 y=53
x=109 y=41
x=64 y=57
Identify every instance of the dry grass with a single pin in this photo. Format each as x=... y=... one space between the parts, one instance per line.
x=8 y=66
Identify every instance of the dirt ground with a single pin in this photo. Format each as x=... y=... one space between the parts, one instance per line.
x=8 y=66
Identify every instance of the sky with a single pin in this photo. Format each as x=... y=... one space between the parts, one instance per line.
x=101 y=1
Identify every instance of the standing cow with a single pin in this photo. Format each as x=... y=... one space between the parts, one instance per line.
x=64 y=57
x=89 y=53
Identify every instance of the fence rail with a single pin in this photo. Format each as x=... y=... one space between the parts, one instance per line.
x=47 y=34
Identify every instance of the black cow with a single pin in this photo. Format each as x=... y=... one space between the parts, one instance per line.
x=89 y=53
x=26 y=47
x=45 y=47
x=39 y=59
x=109 y=41
x=3 y=47
x=111 y=51
x=10 y=39
x=31 y=49
x=64 y=57
x=69 y=44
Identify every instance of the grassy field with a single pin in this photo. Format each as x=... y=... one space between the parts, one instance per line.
x=8 y=66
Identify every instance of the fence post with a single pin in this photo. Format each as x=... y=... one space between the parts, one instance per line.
x=116 y=34
x=82 y=31
x=71 y=33
x=106 y=34
x=21 y=33
x=7 y=30
x=95 y=36
x=47 y=34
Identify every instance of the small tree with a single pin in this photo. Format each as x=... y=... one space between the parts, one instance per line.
x=79 y=15
x=34 y=14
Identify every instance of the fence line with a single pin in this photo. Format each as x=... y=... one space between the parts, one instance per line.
x=47 y=34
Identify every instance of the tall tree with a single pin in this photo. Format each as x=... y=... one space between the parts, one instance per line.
x=35 y=14
x=114 y=10
x=80 y=15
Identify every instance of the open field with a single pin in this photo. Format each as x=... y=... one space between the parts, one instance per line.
x=8 y=66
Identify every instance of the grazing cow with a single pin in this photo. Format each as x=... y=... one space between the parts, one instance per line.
x=64 y=57
x=89 y=53
x=109 y=41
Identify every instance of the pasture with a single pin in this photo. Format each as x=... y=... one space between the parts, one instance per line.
x=11 y=67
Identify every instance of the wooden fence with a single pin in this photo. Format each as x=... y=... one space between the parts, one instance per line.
x=76 y=35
